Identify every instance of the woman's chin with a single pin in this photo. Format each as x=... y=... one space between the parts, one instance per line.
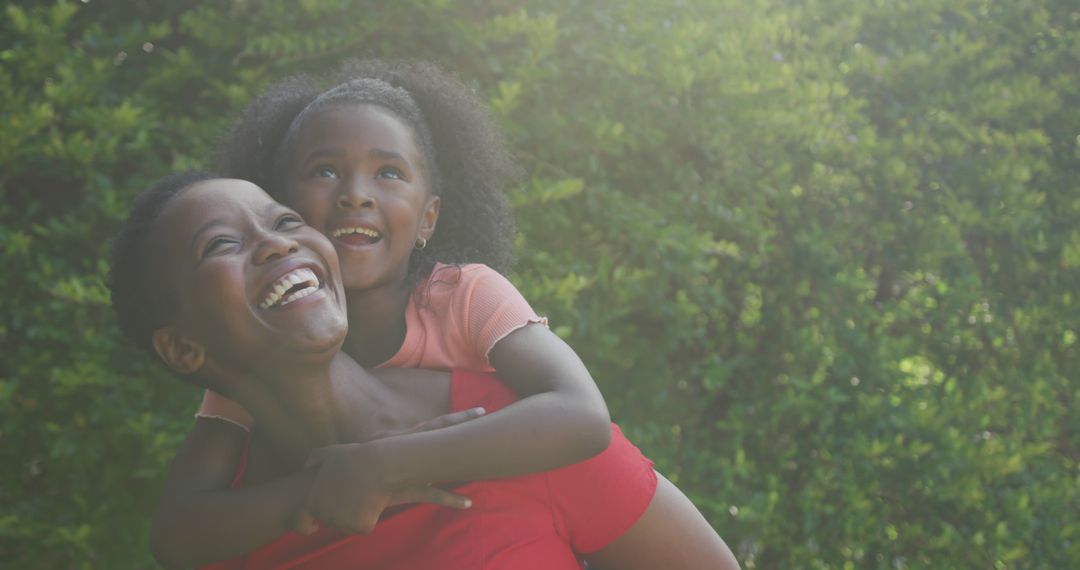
x=315 y=322
x=324 y=336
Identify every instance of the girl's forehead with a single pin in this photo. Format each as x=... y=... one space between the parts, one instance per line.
x=359 y=122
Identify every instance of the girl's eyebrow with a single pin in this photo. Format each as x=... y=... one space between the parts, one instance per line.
x=333 y=151
x=336 y=151
x=388 y=154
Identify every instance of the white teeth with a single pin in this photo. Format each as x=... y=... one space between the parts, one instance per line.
x=286 y=282
x=298 y=295
x=356 y=230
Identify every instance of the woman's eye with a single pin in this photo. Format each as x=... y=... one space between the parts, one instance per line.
x=390 y=172
x=217 y=245
x=288 y=222
x=324 y=172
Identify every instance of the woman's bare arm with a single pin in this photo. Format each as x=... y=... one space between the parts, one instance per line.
x=199 y=519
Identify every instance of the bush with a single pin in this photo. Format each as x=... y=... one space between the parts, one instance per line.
x=820 y=255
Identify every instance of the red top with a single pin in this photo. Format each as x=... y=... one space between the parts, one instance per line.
x=540 y=521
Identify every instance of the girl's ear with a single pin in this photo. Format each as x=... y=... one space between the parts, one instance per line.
x=431 y=217
x=179 y=352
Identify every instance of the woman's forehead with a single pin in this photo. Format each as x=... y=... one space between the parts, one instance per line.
x=220 y=199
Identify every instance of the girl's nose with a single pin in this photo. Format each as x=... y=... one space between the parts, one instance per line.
x=354 y=196
x=273 y=247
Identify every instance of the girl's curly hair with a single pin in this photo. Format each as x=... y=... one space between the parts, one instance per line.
x=470 y=158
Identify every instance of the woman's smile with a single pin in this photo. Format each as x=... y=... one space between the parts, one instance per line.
x=293 y=285
x=259 y=275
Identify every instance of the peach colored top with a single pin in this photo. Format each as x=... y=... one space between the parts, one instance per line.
x=455 y=318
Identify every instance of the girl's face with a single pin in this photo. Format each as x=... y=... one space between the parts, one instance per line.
x=358 y=176
x=253 y=281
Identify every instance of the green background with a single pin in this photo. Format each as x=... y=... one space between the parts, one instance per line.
x=821 y=256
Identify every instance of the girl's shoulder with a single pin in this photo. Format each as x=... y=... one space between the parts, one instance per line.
x=476 y=298
x=454 y=272
x=449 y=281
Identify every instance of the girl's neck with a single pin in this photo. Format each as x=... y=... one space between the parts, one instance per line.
x=376 y=323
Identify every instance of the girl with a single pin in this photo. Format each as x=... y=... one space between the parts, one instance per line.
x=214 y=314
x=402 y=169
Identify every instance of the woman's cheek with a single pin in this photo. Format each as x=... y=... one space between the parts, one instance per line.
x=221 y=290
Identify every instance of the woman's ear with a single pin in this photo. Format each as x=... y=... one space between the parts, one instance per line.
x=179 y=352
x=431 y=217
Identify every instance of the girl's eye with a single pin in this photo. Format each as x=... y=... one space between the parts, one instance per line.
x=288 y=222
x=390 y=172
x=217 y=245
x=324 y=172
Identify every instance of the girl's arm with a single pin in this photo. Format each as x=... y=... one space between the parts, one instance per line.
x=561 y=412
x=670 y=534
x=560 y=419
x=200 y=519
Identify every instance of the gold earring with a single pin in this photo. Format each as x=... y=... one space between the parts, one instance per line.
x=421 y=243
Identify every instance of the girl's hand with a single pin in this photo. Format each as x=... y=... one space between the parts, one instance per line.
x=352 y=489
x=447 y=420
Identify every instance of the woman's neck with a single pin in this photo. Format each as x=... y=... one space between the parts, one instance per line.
x=304 y=407
x=376 y=323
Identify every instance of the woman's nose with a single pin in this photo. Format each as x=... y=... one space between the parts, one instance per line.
x=274 y=246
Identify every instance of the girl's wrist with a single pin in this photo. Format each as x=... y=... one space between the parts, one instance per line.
x=300 y=484
x=383 y=456
x=395 y=459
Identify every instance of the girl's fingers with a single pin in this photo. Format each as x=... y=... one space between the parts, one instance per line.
x=305 y=524
x=319 y=456
x=427 y=494
x=448 y=420
x=315 y=458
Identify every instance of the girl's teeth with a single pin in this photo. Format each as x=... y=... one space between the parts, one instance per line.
x=364 y=231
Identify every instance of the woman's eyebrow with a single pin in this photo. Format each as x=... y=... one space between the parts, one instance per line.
x=206 y=227
x=274 y=208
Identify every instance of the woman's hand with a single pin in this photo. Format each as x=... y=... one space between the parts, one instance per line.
x=352 y=488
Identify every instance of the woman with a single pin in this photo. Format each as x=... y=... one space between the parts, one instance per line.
x=224 y=326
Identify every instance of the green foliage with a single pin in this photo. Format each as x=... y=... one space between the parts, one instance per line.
x=820 y=255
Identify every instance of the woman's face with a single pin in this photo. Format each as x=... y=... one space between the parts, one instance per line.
x=252 y=279
x=357 y=176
